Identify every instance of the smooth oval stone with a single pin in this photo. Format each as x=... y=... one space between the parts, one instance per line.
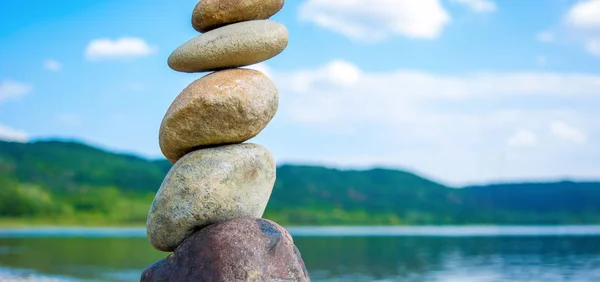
x=209 y=186
x=211 y=14
x=235 y=45
x=243 y=249
x=225 y=107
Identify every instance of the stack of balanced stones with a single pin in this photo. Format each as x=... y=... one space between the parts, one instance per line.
x=208 y=209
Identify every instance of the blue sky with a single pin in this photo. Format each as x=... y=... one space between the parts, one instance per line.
x=462 y=91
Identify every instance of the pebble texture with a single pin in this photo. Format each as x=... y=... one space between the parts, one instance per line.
x=225 y=107
x=243 y=249
x=235 y=45
x=209 y=186
x=211 y=14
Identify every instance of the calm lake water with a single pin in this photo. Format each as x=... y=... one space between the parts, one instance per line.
x=331 y=254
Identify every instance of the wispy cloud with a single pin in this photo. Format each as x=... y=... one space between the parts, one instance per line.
x=118 y=49
x=261 y=67
x=593 y=46
x=9 y=134
x=430 y=121
x=10 y=89
x=545 y=36
x=52 y=65
x=584 y=18
x=580 y=23
x=478 y=6
x=523 y=138
x=338 y=73
x=568 y=132
x=376 y=20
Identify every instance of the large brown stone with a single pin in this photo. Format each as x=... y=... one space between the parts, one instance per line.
x=235 y=45
x=242 y=249
x=224 y=107
x=211 y=14
x=209 y=186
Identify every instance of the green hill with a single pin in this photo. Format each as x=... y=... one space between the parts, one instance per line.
x=57 y=182
x=66 y=166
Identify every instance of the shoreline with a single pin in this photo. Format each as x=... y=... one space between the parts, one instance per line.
x=8 y=274
x=325 y=231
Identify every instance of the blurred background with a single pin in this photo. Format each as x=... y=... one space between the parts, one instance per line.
x=466 y=116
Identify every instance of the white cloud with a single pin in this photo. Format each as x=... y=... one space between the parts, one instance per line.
x=545 y=36
x=9 y=134
x=338 y=73
x=523 y=138
x=376 y=20
x=261 y=67
x=10 y=89
x=568 y=133
x=342 y=73
x=593 y=46
x=584 y=14
x=583 y=24
x=429 y=122
x=52 y=65
x=122 y=48
x=423 y=85
x=324 y=97
x=478 y=6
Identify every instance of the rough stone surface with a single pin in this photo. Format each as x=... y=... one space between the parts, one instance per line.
x=231 y=46
x=225 y=107
x=243 y=249
x=211 y=14
x=209 y=186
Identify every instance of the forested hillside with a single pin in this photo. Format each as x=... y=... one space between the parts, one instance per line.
x=71 y=183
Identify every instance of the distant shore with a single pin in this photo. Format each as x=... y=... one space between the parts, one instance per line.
x=33 y=222
x=328 y=231
x=19 y=275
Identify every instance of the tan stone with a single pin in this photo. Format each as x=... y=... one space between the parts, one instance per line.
x=235 y=45
x=209 y=186
x=211 y=14
x=224 y=107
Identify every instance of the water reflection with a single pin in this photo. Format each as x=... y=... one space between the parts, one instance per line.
x=85 y=258
x=338 y=258
x=453 y=259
